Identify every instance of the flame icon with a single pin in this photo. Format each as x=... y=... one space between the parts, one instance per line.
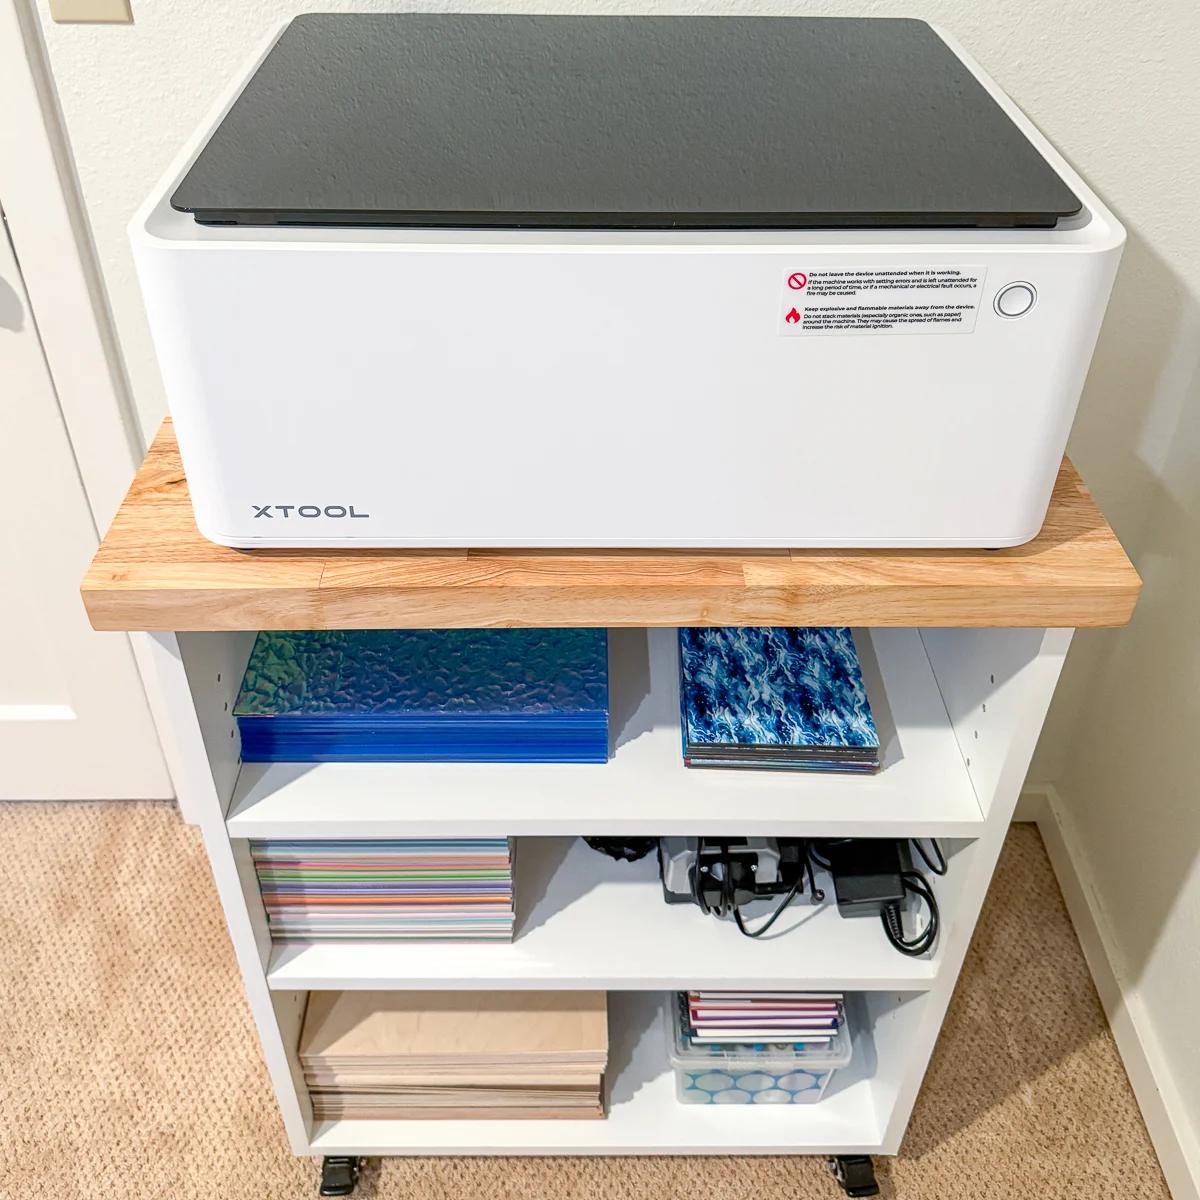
x=792 y=317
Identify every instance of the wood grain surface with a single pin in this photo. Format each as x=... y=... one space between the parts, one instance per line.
x=432 y=1029
x=364 y=1053
x=155 y=571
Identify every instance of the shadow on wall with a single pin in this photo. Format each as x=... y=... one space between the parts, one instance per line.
x=1125 y=722
x=12 y=314
x=1128 y=415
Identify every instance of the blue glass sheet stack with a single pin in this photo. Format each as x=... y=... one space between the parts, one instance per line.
x=784 y=699
x=426 y=695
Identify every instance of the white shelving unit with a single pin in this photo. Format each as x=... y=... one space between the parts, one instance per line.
x=961 y=659
x=960 y=711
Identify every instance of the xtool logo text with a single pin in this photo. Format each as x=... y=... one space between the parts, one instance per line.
x=270 y=511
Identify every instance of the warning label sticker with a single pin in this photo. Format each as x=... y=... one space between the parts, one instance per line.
x=881 y=300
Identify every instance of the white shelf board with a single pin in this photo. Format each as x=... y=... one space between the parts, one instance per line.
x=644 y=1116
x=585 y=921
x=923 y=789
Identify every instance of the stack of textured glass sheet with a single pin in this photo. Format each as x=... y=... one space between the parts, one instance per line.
x=457 y=889
x=789 y=699
x=426 y=695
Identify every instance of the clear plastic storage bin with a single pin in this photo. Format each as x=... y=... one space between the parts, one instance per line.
x=749 y=1074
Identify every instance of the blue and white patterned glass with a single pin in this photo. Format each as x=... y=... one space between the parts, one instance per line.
x=755 y=686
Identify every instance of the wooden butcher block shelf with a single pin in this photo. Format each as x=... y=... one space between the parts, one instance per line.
x=154 y=571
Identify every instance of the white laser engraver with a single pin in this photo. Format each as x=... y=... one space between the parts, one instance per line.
x=439 y=281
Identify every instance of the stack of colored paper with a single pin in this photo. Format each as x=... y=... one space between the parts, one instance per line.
x=515 y=1054
x=760 y=1018
x=426 y=695
x=788 y=699
x=457 y=889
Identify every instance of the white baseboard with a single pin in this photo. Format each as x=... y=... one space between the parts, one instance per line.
x=1031 y=804
x=1174 y=1140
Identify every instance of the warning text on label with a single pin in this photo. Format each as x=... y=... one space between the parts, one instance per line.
x=861 y=300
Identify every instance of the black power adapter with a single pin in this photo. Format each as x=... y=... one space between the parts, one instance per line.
x=875 y=876
x=867 y=875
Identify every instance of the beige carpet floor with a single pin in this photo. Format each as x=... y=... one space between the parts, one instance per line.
x=129 y=1066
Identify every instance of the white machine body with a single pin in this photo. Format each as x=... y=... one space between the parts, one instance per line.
x=417 y=388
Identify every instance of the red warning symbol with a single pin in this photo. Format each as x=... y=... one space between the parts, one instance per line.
x=797 y=280
x=792 y=317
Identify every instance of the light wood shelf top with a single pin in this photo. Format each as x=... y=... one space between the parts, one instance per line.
x=154 y=571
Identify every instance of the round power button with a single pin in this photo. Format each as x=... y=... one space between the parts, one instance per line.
x=1015 y=299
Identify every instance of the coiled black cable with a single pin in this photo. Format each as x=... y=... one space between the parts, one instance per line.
x=915 y=884
x=753 y=933
x=892 y=916
x=727 y=904
x=815 y=892
x=937 y=864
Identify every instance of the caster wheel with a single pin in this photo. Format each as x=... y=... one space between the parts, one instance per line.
x=339 y=1174
x=854 y=1174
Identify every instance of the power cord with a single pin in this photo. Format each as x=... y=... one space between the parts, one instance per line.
x=915 y=884
x=937 y=864
x=727 y=902
x=753 y=933
x=815 y=892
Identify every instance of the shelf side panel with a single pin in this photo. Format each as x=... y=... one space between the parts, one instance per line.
x=215 y=665
x=969 y=664
x=989 y=679
x=204 y=767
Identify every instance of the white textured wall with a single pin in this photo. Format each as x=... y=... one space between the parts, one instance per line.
x=1116 y=85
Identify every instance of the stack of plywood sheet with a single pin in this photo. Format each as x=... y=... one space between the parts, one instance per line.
x=518 y=1054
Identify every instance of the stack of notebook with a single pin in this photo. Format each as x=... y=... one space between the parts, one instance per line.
x=457 y=889
x=790 y=699
x=715 y=1019
x=426 y=695
x=378 y=1055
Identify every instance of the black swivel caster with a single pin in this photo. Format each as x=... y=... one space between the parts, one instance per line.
x=339 y=1174
x=854 y=1174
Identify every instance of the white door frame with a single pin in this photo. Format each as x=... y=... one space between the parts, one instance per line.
x=44 y=210
x=42 y=201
